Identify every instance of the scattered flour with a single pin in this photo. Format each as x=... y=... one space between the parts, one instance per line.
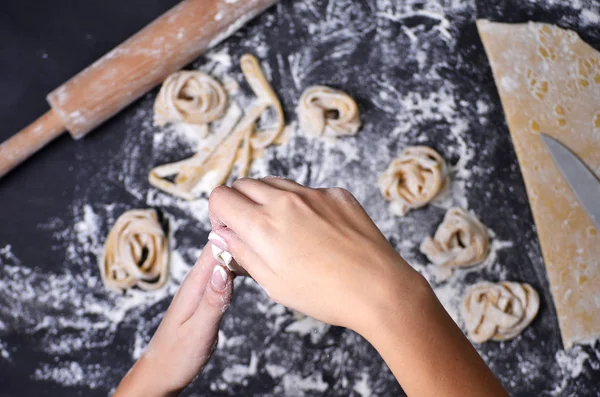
x=73 y=374
x=407 y=96
x=571 y=362
x=275 y=371
x=362 y=386
x=571 y=365
x=309 y=326
x=236 y=373
x=295 y=385
x=589 y=17
x=4 y=351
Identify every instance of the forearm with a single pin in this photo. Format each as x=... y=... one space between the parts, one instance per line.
x=425 y=349
x=141 y=381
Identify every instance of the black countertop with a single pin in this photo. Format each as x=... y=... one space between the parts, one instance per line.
x=420 y=75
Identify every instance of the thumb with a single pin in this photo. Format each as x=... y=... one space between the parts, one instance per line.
x=215 y=302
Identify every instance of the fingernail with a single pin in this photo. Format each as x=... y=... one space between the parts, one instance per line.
x=217 y=240
x=219 y=278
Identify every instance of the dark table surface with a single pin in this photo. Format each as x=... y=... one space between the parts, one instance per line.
x=420 y=75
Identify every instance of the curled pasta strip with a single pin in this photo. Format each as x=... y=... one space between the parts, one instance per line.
x=191 y=97
x=135 y=252
x=413 y=179
x=233 y=144
x=460 y=241
x=266 y=98
x=499 y=311
x=323 y=111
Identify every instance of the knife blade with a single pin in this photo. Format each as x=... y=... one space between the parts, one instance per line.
x=582 y=181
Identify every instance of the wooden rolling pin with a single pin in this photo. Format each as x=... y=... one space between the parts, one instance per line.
x=129 y=71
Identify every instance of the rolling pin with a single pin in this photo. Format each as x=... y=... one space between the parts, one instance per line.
x=130 y=70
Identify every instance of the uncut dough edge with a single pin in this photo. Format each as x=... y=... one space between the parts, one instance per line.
x=570 y=242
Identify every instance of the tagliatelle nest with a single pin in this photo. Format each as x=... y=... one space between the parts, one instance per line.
x=323 y=111
x=460 y=241
x=136 y=252
x=499 y=311
x=413 y=179
x=191 y=97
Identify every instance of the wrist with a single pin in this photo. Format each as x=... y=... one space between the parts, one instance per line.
x=398 y=301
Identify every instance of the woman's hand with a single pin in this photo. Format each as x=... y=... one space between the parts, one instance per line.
x=186 y=336
x=315 y=250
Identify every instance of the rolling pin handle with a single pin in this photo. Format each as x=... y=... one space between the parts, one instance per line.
x=29 y=140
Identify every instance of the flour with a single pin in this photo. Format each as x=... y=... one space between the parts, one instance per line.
x=362 y=386
x=72 y=374
x=571 y=365
x=400 y=60
x=589 y=17
x=4 y=350
x=572 y=362
x=236 y=373
x=309 y=326
x=76 y=302
x=298 y=386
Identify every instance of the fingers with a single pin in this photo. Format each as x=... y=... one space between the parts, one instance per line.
x=192 y=289
x=256 y=190
x=205 y=321
x=229 y=207
x=244 y=255
x=284 y=184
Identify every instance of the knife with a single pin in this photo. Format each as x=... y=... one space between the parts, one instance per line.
x=581 y=179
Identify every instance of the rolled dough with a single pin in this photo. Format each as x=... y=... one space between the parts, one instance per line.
x=549 y=81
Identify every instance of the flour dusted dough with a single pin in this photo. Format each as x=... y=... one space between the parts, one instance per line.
x=224 y=257
x=135 y=252
x=323 y=111
x=413 y=179
x=549 y=81
x=191 y=97
x=235 y=142
x=499 y=311
x=460 y=241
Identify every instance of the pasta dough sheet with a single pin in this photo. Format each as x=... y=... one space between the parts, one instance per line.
x=549 y=81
